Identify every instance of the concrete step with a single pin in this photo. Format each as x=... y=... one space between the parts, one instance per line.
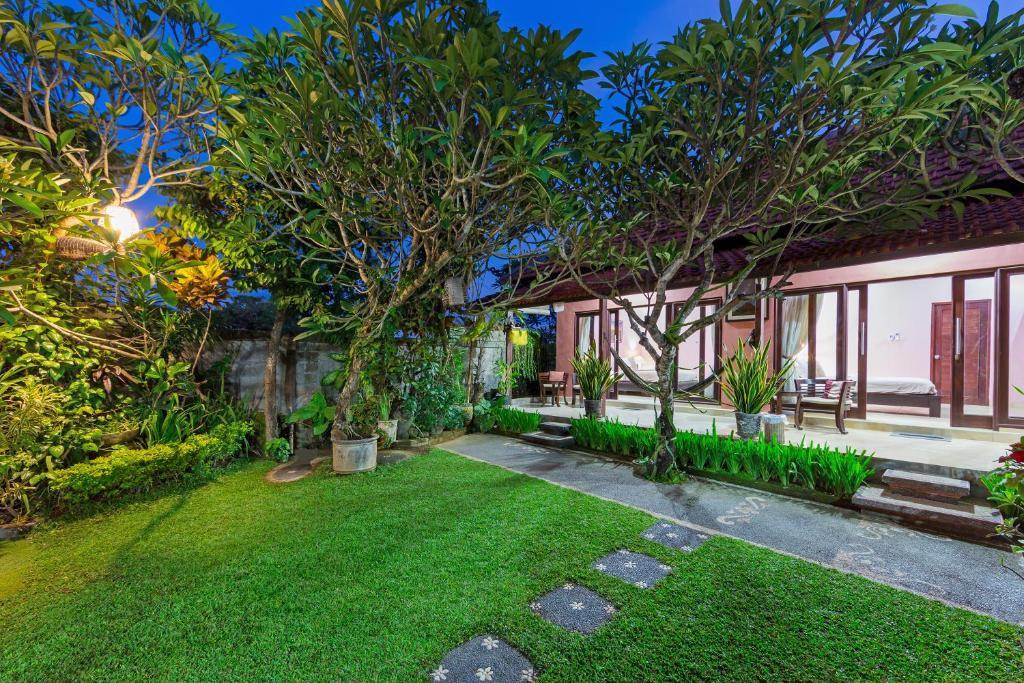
x=962 y=518
x=545 y=439
x=928 y=486
x=558 y=428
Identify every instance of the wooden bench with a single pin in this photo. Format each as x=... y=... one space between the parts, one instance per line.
x=811 y=397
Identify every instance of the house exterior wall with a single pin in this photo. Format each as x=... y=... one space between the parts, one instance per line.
x=896 y=306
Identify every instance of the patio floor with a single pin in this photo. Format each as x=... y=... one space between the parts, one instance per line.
x=956 y=452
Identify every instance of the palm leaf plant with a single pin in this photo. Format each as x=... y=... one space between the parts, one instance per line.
x=749 y=384
x=595 y=377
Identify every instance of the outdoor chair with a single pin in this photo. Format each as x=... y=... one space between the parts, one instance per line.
x=553 y=382
x=824 y=396
x=575 y=385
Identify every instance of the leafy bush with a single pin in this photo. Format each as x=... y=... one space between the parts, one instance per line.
x=1006 y=489
x=126 y=471
x=278 y=449
x=809 y=466
x=594 y=374
x=516 y=421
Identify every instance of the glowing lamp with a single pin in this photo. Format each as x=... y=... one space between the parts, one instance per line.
x=122 y=220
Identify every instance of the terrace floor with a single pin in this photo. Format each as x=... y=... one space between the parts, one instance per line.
x=936 y=447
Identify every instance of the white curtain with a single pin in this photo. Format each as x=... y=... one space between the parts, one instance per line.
x=795 y=323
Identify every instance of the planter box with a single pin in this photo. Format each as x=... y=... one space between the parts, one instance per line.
x=359 y=455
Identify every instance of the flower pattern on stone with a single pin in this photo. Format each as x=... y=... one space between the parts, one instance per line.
x=649 y=537
x=665 y=567
x=568 y=587
x=609 y=609
x=601 y=567
x=623 y=552
x=672 y=535
x=640 y=584
x=485 y=673
x=630 y=565
x=439 y=674
x=576 y=605
x=527 y=675
x=490 y=643
x=535 y=606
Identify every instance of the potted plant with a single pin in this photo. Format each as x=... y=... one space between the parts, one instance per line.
x=387 y=426
x=594 y=375
x=749 y=385
x=354 y=444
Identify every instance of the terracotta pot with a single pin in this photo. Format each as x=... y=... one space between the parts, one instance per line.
x=748 y=425
x=358 y=455
x=390 y=429
x=593 y=408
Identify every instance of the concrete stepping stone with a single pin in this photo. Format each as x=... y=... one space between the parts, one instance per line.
x=643 y=571
x=675 y=536
x=575 y=608
x=484 y=659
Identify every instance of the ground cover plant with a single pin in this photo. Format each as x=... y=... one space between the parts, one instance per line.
x=324 y=579
x=809 y=466
x=514 y=421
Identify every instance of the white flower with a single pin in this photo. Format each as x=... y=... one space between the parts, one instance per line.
x=601 y=566
x=486 y=674
x=527 y=675
x=672 y=535
x=568 y=587
x=640 y=584
x=576 y=605
x=630 y=565
x=439 y=674
x=490 y=643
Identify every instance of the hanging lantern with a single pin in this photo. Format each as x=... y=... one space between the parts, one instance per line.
x=518 y=336
x=454 y=291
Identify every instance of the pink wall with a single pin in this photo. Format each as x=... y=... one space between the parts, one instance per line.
x=894 y=307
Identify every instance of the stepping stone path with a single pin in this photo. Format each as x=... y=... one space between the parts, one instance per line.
x=675 y=536
x=575 y=608
x=485 y=658
x=643 y=571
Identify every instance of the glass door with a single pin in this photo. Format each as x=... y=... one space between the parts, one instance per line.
x=973 y=386
x=812 y=331
x=588 y=331
x=1010 y=345
x=698 y=355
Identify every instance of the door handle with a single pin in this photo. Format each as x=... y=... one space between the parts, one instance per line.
x=958 y=341
x=863 y=338
x=937 y=357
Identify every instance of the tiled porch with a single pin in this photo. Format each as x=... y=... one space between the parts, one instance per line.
x=957 y=452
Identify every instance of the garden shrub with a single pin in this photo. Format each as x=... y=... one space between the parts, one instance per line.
x=515 y=421
x=126 y=471
x=809 y=466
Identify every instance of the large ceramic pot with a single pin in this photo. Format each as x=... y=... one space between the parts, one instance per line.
x=748 y=425
x=389 y=429
x=593 y=408
x=358 y=455
x=437 y=429
x=467 y=414
x=404 y=425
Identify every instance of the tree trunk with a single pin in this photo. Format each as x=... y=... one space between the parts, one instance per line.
x=270 y=376
x=665 y=455
x=349 y=389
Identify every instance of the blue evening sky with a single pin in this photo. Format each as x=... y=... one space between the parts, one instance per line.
x=607 y=25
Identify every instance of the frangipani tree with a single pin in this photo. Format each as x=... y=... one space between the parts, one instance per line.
x=413 y=141
x=778 y=123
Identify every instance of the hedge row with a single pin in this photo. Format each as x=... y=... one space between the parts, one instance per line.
x=127 y=471
x=811 y=466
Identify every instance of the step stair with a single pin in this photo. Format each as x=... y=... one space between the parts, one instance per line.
x=937 y=503
x=552 y=434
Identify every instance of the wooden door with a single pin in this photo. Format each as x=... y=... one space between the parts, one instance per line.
x=942 y=349
x=977 y=340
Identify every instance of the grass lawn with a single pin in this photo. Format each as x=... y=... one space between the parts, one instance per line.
x=374 y=577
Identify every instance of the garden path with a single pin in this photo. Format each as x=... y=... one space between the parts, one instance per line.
x=958 y=573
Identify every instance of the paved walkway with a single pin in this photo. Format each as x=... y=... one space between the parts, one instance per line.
x=962 y=574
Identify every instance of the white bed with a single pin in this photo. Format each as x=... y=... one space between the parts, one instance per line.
x=901 y=385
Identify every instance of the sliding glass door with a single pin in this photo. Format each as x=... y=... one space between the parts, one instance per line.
x=698 y=355
x=1010 y=340
x=588 y=336
x=973 y=381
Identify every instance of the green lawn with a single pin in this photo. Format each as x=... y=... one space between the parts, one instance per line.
x=374 y=577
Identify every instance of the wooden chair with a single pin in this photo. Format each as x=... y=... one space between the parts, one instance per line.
x=810 y=397
x=575 y=385
x=554 y=382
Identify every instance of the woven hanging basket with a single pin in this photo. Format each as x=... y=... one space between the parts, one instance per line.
x=79 y=248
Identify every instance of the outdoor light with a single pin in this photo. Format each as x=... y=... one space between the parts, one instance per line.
x=122 y=220
x=518 y=336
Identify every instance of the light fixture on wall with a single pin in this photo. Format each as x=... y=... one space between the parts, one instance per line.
x=895 y=337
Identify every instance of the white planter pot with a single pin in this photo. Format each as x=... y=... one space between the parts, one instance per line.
x=748 y=425
x=359 y=455
x=390 y=430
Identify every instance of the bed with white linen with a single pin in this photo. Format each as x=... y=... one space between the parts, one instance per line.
x=914 y=392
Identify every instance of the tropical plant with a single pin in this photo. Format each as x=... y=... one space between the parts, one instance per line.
x=747 y=381
x=745 y=136
x=594 y=374
x=1006 y=490
x=317 y=411
x=366 y=89
x=278 y=449
x=513 y=421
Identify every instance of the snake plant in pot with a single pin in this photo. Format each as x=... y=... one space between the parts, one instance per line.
x=749 y=385
x=595 y=377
